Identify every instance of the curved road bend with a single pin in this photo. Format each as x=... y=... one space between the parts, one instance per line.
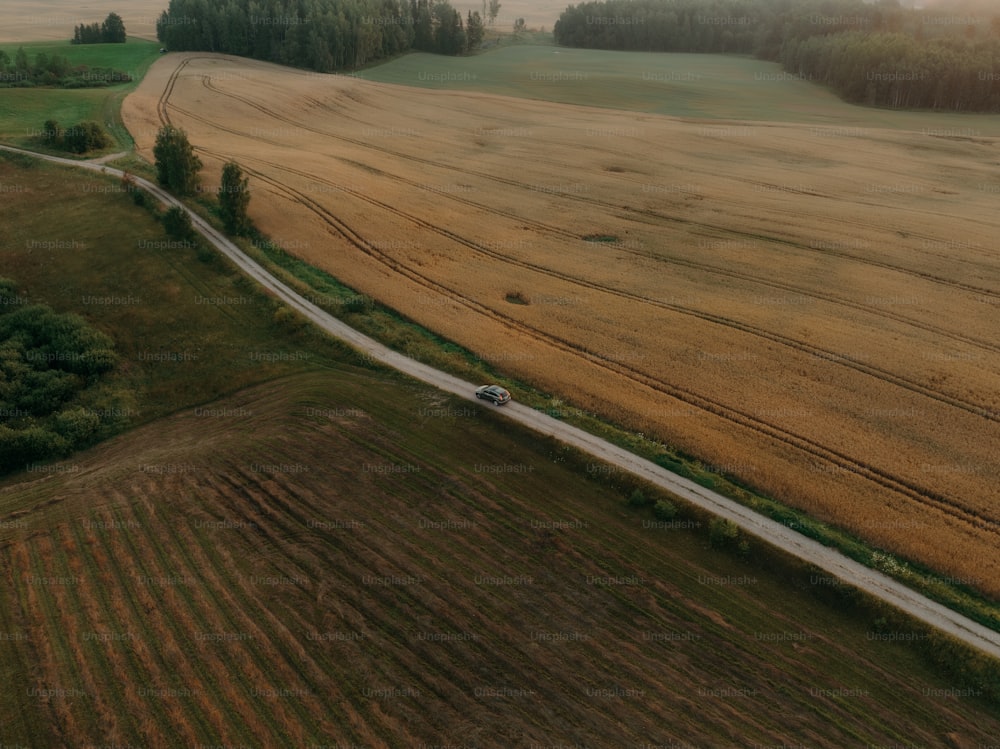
x=832 y=561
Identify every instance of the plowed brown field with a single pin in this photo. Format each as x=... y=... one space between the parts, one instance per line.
x=188 y=584
x=813 y=311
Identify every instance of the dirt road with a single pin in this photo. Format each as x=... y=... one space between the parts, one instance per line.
x=776 y=534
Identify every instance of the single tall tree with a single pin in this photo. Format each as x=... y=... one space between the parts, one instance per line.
x=113 y=29
x=21 y=64
x=474 y=30
x=494 y=10
x=51 y=134
x=176 y=163
x=234 y=197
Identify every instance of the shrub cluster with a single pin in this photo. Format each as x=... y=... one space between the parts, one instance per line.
x=47 y=360
x=82 y=137
x=54 y=71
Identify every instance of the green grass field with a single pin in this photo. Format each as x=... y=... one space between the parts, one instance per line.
x=23 y=111
x=164 y=299
x=295 y=550
x=134 y=57
x=682 y=85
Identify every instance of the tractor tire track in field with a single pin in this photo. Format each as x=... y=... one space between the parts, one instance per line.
x=843 y=461
x=665 y=259
x=976 y=409
x=645 y=255
x=971 y=407
x=645 y=213
x=668 y=259
x=747 y=420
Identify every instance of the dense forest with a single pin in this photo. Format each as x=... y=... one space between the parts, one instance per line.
x=323 y=35
x=877 y=54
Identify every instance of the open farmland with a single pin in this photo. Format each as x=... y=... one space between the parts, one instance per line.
x=381 y=571
x=334 y=555
x=814 y=312
x=23 y=111
x=35 y=20
x=678 y=84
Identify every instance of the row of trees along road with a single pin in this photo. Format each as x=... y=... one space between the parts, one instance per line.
x=177 y=168
x=324 y=35
x=870 y=53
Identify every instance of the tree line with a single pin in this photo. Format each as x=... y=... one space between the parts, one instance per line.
x=54 y=71
x=877 y=54
x=112 y=31
x=323 y=35
x=177 y=168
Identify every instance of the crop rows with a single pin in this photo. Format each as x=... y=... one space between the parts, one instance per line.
x=235 y=605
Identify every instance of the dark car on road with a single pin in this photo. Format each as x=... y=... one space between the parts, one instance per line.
x=493 y=393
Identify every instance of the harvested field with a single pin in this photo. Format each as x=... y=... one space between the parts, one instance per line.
x=32 y=20
x=814 y=312
x=537 y=14
x=363 y=571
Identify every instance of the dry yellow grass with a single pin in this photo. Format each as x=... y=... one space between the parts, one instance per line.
x=814 y=311
x=536 y=15
x=33 y=21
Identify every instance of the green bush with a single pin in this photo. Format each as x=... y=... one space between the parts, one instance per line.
x=86 y=136
x=723 y=534
x=20 y=447
x=177 y=223
x=665 y=510
x=638 y=499
x=289 y=320
x=359 y=304
x=76 y=425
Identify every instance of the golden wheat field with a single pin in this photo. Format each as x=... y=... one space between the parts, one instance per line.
x=814 y=310
x=30 y=20
x=536 y=15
